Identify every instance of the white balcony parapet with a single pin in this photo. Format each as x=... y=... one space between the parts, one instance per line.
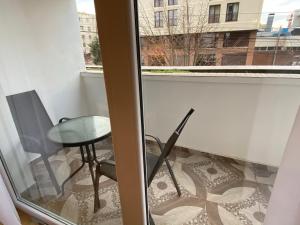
x=243 y=116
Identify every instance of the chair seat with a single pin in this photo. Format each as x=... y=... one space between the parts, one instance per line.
x=109 y=170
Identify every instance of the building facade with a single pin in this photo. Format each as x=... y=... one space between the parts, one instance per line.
x=279 y=50
x=88 y=30
x=296 y=19
x=198 y=32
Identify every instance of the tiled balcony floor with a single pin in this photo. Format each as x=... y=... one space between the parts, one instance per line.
x=216 y=190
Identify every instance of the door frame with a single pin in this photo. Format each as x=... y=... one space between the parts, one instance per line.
x=119 y=41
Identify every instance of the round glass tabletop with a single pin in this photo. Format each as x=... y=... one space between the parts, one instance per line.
x=80 y=131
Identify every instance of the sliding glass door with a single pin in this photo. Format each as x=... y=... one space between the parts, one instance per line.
x=67 y=108
x=81 y=120
x=220 y=100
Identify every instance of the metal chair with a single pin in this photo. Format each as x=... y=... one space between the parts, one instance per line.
x=32 y=123
x=154 y=162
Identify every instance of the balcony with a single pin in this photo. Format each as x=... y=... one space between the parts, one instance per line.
x=262 y=95
x=225 y=161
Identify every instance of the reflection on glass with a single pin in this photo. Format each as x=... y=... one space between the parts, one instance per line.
x=51 y=162
x=226 y=160
x=59 y=175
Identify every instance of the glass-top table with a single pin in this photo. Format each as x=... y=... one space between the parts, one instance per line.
x=82 y=132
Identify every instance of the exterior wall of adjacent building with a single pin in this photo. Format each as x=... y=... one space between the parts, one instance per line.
x=248 y=18
x=296 y=19
x=240 y=49
x=283 y=58
x=232 y=51
x=277 y=51
x=88 y=30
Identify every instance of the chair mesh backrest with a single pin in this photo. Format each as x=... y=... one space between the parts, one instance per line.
x=32 y=123
x=170 y=144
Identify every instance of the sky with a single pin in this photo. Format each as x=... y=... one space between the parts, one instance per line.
x=282 y=9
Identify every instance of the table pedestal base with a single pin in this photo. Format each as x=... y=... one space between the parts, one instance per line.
x=90 y=158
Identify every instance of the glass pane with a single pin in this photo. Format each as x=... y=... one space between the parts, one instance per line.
x=221 y=166
x=54 y=120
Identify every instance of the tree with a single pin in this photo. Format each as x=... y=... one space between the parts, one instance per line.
x=95 y=51
x=187 y=43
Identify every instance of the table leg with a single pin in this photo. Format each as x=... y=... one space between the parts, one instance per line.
x=91 y=163
x=76 y=171
x=94 y=153
x=91 y=160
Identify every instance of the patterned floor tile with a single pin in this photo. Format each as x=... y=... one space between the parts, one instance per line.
x=215 y=190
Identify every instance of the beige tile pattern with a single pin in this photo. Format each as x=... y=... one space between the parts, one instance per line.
x=216 y=191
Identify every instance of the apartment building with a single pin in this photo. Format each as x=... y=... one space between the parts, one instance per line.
x=280 y=47
x=295 y=22
x=277 y=50
x=199 y=32
x=88 y=30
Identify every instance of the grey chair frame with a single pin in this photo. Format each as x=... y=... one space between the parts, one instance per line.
x=107 y=167
x=39 y=145
x=161 y=148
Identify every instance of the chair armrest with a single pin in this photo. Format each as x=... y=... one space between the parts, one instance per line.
x=158 y=141
x=63 y=119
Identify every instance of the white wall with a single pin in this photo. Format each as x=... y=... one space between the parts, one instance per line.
x=40 y=49
x=284 y=205
x=245 y=118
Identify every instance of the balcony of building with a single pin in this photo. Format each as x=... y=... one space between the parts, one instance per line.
x=225 y=161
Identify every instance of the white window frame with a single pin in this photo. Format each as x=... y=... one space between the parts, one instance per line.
x=172 y=2
x=173 y=17
x=158 y=19
x=158 y=3
x=125 y=103
x=234 y=16
x=214 y=17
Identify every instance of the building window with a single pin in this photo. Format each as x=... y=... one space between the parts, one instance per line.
x=90 y=37
x=236 y=39
x=89 y=29
x=158 y=19
x=172 y=2
x=84 y=45
x=172 y=17
x=232 y=12
x=158 y=3
x=81 y=27
x=83 y=37
x=207 y=40
x=214 y=14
